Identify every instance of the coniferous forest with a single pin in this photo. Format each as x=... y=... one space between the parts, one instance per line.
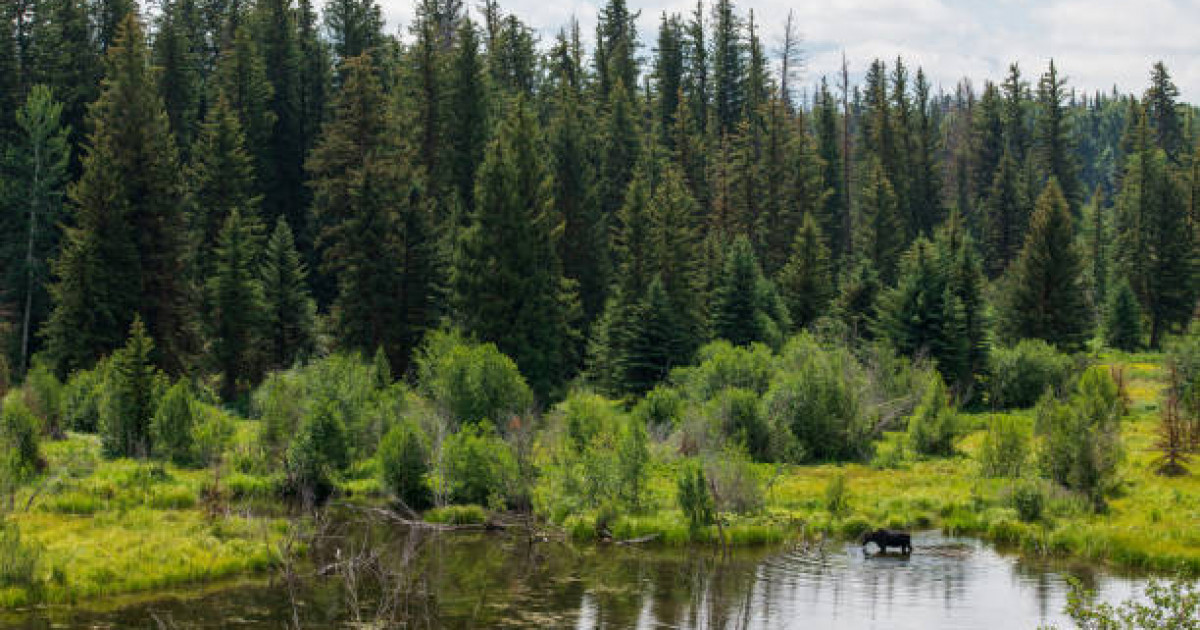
x=627 y=283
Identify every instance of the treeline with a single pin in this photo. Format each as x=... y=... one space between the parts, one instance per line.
x=256 y=185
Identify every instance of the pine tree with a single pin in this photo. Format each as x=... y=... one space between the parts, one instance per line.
x=926 y=190
x=805 y=282
x=278 y=36
x=988 y=130
x=1053 y=147
x=222 y=181
x=616 y=47
x=880 y=230
x=621 y=146
x=965 y=284
x=836 y=206
x=289 y=310
x=1005 y=216
x=375 y=226
x=125 y=253
x=1044 y=296
x=177 y=61
x=728 y=67
x=129 y=405
x=242 y=78
x=468 y=111
x=674 y=243
x=1162 y=114
x=1097 y=243
x=669 y=62
x=507 y=280
x=1155 y=246
x=745 y=308
x=67 y=60
x=236 y=299
x=37 y=164
x=1123 y=319
x=355 y=27
x=856 y=304
x=109 y=17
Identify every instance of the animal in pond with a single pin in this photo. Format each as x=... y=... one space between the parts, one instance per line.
x=884 y=538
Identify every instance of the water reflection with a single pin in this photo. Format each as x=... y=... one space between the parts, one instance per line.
x=422 y=579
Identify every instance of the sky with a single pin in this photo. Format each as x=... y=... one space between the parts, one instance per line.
x=1096 y=43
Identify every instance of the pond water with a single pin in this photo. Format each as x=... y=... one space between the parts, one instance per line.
x=495 y=580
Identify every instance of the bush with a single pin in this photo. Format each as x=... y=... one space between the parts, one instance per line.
x=319 y=453
x=661 y=409
x=1005 y=447
x=212 y=435
x=694 y=498
x=479 y=466
x=132 y=391
x=1081 y=448
x=837 y=495
x=279 y=404
x=43 y=394
x=1123 y=319
x=20 y=454
x=81 y=398
x=1022 y=373
x=934 y=425
x=737 y=487
x=172 y=425
x=721 y=365
x=741 y=418
x=471 y=382
x=818 y=403
x=1029 y=499
x=1171 y=607
x=404 y=464
x=586 y=415
x=457 y=515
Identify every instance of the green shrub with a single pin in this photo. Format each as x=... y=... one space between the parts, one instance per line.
x=1021 y=374
x=661 y=409
x=82 y=396
x=279 y=404
x=131 y=397
x=741 y=418
x=319 y=453
x=837 y=495
x=1081 y=446
x=818 y=402
x=1123 y=319
x=737 y=487
x=694 y=498
x=457 y=515
x=934 y=425
x=479 y=466
x=633 y=460
x=1005 y=447
x=722 y=365
x=212 y=435
x=172 y=424
x=20 y=454
x=43 y=394
x=1029 y=499
x=471 y=382
x=1183 y=356
x=404 y=465
x=586 y=415
x=1175 y=606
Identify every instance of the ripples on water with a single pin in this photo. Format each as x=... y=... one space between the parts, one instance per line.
x=485 y=581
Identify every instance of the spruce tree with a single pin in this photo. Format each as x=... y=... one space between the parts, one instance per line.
x=926 y=193
x=177 y=61
x=67 y=60
x=745 y=308
x=37 y=165
x=669 y=62
x=355 y=27
x=728 y=67
x=375 y=230
x=468 y=113
x=856 y=305
x=1005 y=216
x=1053 y=146
x=1044 y=297
x=288 y=308
x=222 y=182
x=616 y=47
x=806 y=282
x=1162 y=114
x=880 y=230
x=277 y=33
x=1155 y=246
x=836 y=208
x=989 y=144
x=621 y=145
x=125 y=253
x=129 y=406
x=507 y=279
x=237 y=305
x=242 y=78
x=1123 y=319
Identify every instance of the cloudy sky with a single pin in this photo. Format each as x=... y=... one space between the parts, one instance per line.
x=1096 y=43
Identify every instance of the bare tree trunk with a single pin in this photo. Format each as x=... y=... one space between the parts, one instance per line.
x=846 y=223
x=25 y=320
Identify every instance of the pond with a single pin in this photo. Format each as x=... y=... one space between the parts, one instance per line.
x=498 y=580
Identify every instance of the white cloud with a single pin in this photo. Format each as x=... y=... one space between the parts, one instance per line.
x=1096 y=43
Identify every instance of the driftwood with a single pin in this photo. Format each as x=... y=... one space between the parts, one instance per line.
x=639 y=540
x=490 y=525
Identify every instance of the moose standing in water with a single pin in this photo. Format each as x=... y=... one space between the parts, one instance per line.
x=884 y=538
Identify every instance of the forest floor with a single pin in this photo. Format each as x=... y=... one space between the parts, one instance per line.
x=105 y=528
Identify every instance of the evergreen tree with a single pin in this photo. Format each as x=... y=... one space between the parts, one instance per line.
x=177 y=61
x=507 y=280
x=616 y=47
x=1044 y=296
x=674 y=243
x=237 y=304
x=1005 y=216
x=1123 y=319
x=67 y=60
x=222 y=181
x=620 y=149
x=920 y=316
x=836 y=206
x=125 y=253
x=880 y=230
x=375 y=231
x=109 y=17
x=289 y=310
x=728 y=67
x=668 y=75
x=278 y=36
x=468 y=113
x=355 y=27
x=1053 y=148
x=242 y=78
x=745 y=308
x=1155 y=246
x=1162 y=114
x=805 y=282
x=37 y=164
x=989 y=140
x=130 y=403
x=959 y=259
x=856 y=303
x=926 y=193
x=1097 y=243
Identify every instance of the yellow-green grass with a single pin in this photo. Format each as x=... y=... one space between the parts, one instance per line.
x=104 y=528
